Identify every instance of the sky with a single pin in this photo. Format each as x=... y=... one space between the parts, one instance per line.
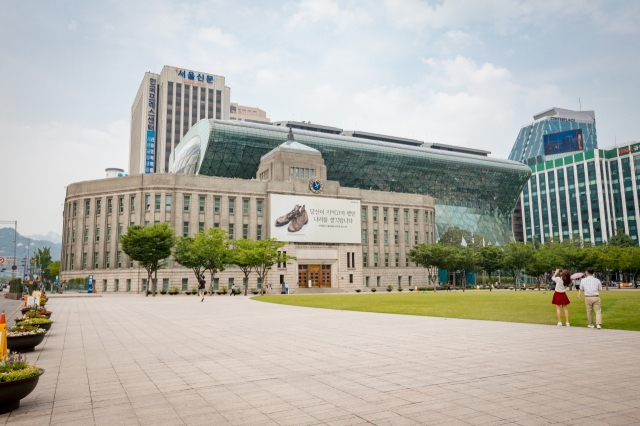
x=464 y=72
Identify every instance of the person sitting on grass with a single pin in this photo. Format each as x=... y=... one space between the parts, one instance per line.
x=560 y=298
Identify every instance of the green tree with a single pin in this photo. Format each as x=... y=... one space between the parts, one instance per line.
x=243 y=255
x=149 y=246
x=431 y=257
x=42 y=258
x=213 y=244
x=267 y=254
x=631 y=262
x=186 y=253
x=453 y=236
x=621 y=239
x=543 y=261
x=517 y=256
x=490 y=259
x=53 y=270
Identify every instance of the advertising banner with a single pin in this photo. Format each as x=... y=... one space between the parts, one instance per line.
x=296 y=218
x=568 y=141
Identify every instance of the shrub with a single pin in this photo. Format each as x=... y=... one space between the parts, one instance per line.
x=163 y=292
x=422 y=288
x=389 y=288
x=224 y=290
x=15 y=286
x=35 y=321
x=373 y=289
x=15 y=367
x=399 y=288
x=254 y=291
x=358 y=290
x=194 y=291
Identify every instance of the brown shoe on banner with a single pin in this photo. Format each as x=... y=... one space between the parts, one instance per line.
x=283 y=220
x=299 y=221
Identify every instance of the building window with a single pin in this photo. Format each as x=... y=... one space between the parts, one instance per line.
x=216 y=203
x=395 y=215
x=415 y=216
x=386 y=237
x=384 y=215
x=74 y=209
x=415 y=237
x=109 y=232
x=375 y=260
x=166 y=261
x=375 y=213
x=259 y=207
x=121 y=205
x=232 y=204
x=84 y=260
x=185 y=284
x=167 y=203
x=86 y=234
x=364 y=236
x=406 y=216
x=386 y=260
x=245 y=206
x=364 y=260
x=410 y=281
x=119 y=259
x=245 y=231
x=364 y=214
x=397 y=260
x=395 y=237
x=87 y=207
x=157 y=206
x=400 y=281
x=406 y=260
x=351 y=278
x=132 y=202
x=107 y=261
x=98 y=206
x=165 y=284
x=186 y=202
x=109 y=205
x=259 y=232
x=128 y=285
x=366 y=281
x=144 y=285
x=104 y=286
x=406 y=238
x=348 y=260
x=378 y=281
x=202 y=201
x=216 y=283
x=216 y=225
x=95 y=260
x=231 y=231
x=200 y=227
x=146 y=223
x=97 y=233
x=119 y=231
x=375 y=236
x=185 y=229
x=116 y=285
x=72 y=258
x=147 y=202
x=73 y=235
x=259 y=283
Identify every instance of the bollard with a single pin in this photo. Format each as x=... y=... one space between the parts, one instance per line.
x=3 y=336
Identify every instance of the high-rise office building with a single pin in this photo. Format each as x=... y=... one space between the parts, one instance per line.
x=165 y=108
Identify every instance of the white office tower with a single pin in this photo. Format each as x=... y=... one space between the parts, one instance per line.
x=165 y=108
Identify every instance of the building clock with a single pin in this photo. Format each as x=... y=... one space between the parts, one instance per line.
x=315 y=185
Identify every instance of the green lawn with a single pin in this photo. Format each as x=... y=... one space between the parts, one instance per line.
x=620 y=308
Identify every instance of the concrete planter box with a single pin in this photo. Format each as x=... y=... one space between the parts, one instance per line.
x=14 y=296
x=12 y=392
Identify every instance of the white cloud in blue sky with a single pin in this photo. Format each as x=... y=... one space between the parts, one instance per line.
x=457 y=72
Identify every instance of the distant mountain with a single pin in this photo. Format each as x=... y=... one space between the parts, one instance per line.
x=51 y=236
x=6 y=244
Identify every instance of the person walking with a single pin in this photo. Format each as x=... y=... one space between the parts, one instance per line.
x=591 y=287
x=233 y=290
x=201 y=287
x=560 y=299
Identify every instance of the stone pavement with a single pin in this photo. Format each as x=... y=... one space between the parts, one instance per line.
x=171 y=360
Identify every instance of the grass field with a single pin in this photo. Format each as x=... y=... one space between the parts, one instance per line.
x=620 y=308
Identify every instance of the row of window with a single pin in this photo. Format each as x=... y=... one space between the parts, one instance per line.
x=377 y=264
x=368 y=283
x=428 y=215
x=167 y=205
x=300 y=172
x=164 y=285
x=428 y=238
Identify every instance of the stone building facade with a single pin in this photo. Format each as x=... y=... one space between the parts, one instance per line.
x=97 y=212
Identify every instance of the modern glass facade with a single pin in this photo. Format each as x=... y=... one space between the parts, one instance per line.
x=529 y=147
x=472 y=192
x=586 y=195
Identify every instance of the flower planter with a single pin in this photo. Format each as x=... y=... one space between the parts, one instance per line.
x=42 y=326
x=24 y=343
x=12 y=392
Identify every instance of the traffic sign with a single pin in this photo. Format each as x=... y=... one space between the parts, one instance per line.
x=33 y=261
x=14 y=267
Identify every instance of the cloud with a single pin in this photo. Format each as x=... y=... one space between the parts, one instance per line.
x=72 y=25
x=316 y=11
x=214 y=35
x=461 y=37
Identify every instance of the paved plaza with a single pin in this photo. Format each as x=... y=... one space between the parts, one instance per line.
x=172 y=360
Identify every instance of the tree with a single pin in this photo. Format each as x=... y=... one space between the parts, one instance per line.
x=517 y=256
x=431 y=257
x=621 y=239
x=53 y=270
x=267 y=254
x=42 y=258
x=186 y=254
x=149 y=246
x=243 y=255
x=213 y=244
x=490 y=259
x=543 y=261
x=453 y=236
x=631 y=262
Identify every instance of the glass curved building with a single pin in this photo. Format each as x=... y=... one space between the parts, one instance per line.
x=472 y=192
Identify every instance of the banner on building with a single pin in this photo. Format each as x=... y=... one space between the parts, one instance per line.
x=317 y=219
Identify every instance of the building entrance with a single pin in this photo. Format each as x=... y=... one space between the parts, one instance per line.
x=320 y=276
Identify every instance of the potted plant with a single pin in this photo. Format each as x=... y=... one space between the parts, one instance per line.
x=373 y=289
x=389 y=288
x=188 y=292
x=163 y=291
x=224 y=290
x=399 y=288
x=24 y=337
x=43 y=323
x=194 y=291
x=358 y=290
x=254 y=291
x=18 y=379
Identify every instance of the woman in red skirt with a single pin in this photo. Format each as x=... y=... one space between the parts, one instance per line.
x=560 y=299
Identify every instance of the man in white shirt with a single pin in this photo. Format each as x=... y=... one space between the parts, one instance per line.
x=591 y=287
